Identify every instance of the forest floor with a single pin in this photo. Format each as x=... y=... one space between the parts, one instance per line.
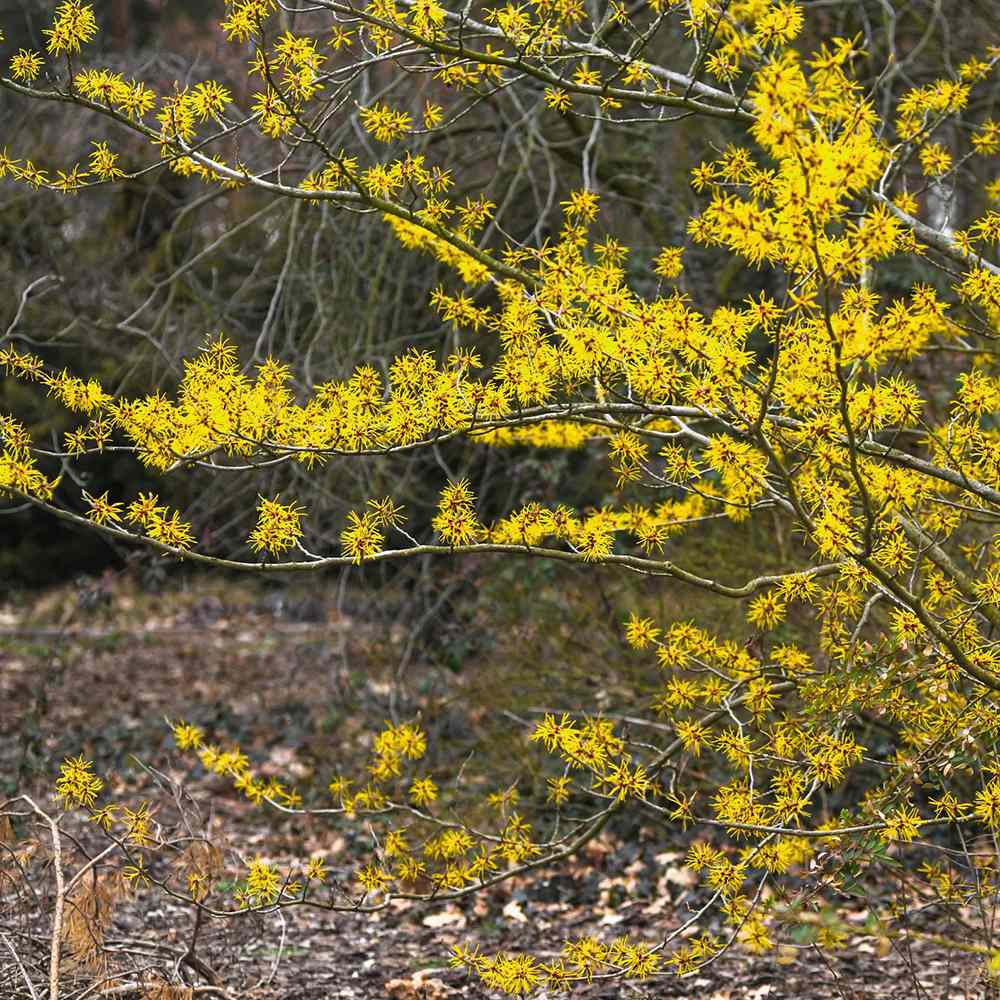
x=297 y=682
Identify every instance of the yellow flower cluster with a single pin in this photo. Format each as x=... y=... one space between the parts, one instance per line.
x=384 y=122
x=19 y=471
x=279 y=526
x=133 y=99
x=595 y=747
x=77 y=785
x=73 y=25
x=579 y=961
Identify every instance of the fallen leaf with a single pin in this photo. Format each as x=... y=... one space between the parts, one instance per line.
x=418 y=989
x=683 y=877
x=451 y=917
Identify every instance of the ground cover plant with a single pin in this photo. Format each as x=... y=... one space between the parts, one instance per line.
x=834 y=736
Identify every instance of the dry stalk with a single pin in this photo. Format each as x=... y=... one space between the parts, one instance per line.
x=57 y=913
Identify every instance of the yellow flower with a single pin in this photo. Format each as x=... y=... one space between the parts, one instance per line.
x=316 y=870
x=557 y=98
x=384 y=122
x=766 y=611
x=902 y=824
x=582 y=204
x=263 y=882
x=423 y=791
x=279 y=526
x=103 y=162
x=433 y=115
x=640 y=632
x=668 y=263
x=73 y=25
x=988 y=804
x=77 y=784
x=102 y=510
x=137 y=873
x=363 y=537
x=208 y=99
x=456 y=520
x=374 y=878
x=188 y=737
x=105 y=816
x=935 y=159
x=25 y=65
x=340 y=38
